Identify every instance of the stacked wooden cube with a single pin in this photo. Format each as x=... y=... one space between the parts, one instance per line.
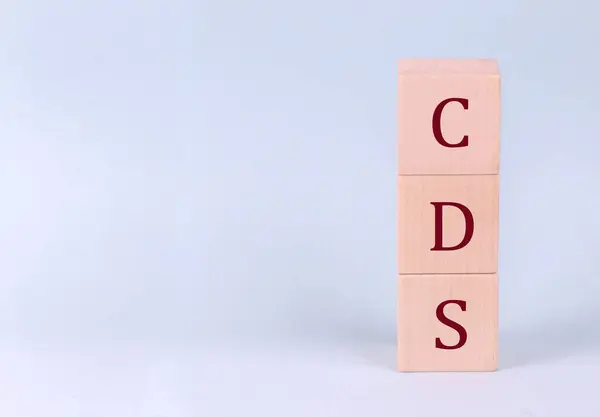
x=448 y=195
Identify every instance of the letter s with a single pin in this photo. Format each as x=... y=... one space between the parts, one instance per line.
x=462 y=333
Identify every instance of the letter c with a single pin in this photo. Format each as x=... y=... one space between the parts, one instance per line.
x=436 y=123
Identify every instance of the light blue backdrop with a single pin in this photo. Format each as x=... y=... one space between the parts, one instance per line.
x=187 y=174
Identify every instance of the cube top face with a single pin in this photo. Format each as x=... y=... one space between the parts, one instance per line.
x=449 y=117
x=447 y=323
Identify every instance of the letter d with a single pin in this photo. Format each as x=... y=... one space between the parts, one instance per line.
x=469 y=226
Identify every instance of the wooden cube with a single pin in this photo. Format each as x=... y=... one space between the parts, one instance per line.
x=448 y=224
x=448 y=200
x=449 y=116
x=447 y=323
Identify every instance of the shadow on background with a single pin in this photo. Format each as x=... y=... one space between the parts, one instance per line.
x=549 y=342
x=374 y=345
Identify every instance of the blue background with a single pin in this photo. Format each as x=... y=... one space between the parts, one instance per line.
x=198 y=209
